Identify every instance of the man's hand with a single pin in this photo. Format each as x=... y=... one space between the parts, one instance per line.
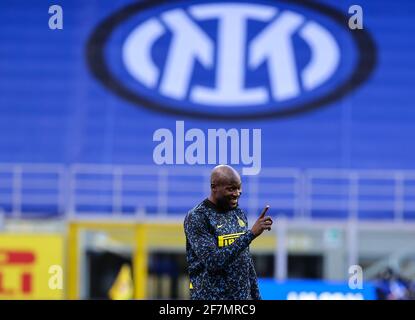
x=263 y=223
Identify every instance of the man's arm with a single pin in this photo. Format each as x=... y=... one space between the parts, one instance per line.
x=205 y=245
x=255 y=294
x=253 y=280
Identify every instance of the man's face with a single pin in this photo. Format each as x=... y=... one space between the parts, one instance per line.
x=228 y=193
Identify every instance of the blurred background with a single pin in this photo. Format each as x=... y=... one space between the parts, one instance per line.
x=86 y=212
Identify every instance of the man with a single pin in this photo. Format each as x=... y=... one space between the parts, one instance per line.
x=217 y=242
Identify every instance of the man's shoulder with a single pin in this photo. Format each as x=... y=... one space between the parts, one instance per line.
x=197 y=212
x=241 y=212
x=199 y=208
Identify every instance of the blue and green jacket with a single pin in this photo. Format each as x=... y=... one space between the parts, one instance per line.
x=217 y=248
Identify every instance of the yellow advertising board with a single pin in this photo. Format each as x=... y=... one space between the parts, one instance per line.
x=31 y=266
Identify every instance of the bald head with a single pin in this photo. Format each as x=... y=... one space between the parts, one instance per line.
x=226 y=186
x=224 y=174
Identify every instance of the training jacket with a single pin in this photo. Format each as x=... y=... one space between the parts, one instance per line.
x=217 y=250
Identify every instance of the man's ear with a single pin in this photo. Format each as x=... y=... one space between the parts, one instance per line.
x=212 y=186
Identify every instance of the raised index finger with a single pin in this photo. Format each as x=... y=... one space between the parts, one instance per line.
x=264 y=211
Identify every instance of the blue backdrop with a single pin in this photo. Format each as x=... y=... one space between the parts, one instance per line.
x=54 y=109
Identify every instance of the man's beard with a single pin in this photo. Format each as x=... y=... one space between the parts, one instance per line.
x=225 y=204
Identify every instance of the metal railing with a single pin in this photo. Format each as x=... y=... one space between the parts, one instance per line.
x=37 y=190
